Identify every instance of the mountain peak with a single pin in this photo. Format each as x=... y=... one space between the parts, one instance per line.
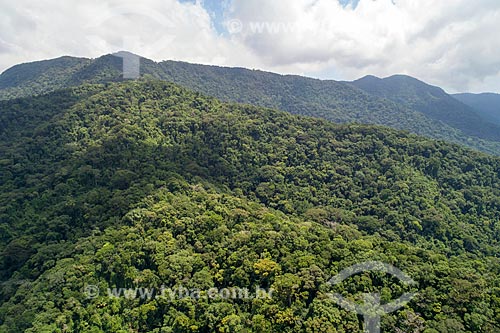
x=370 y=77
x=396 y=78
x=126 y=54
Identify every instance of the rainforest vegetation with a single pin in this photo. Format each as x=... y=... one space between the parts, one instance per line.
x=144 y=183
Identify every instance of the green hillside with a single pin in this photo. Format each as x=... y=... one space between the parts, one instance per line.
x=335 y=101
x=431 y=101
x=40 y=77
x=487 y=105
x=143 y=183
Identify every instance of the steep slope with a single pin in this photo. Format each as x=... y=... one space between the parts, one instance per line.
x=487 y=105
x=144 y=183
x=432 y=101
x=331 y=100
x=39 y=77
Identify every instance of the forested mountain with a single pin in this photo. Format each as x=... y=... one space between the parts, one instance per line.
x=432 y=101
x=335 y=101
x=40 y=77
x=143 y=183
x=486 y=105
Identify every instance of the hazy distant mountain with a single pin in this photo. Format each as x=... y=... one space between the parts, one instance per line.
x=432 y=101
x=335 y=101
x=486 y=105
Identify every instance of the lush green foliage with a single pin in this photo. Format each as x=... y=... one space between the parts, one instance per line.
x=431 y=101
x=335 y=101
x=39 y=77
x=139 y=184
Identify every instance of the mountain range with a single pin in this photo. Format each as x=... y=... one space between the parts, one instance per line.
x=400 y=102
x=486 y=104
x=109 y=186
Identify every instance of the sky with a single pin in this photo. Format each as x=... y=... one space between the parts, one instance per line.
x=453 y=44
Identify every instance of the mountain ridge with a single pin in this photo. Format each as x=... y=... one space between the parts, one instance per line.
x=141 y=183
x=486 y=104
x=432 y=101
x=335 y=101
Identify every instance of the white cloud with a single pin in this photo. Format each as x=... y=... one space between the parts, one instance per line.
x=157 y=29
x=448 y=43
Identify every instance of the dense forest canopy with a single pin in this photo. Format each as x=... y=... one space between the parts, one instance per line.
x=143 y=183
x=414 y=106
x=433 y=102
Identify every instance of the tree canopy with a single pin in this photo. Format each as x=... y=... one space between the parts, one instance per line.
x=144 y=183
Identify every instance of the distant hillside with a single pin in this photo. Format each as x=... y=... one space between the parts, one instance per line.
x=40 y=77
x=432 y=101
x=335 y=101
x=486 y=105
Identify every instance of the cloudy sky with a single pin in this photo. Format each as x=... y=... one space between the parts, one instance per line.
x=453 y=43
